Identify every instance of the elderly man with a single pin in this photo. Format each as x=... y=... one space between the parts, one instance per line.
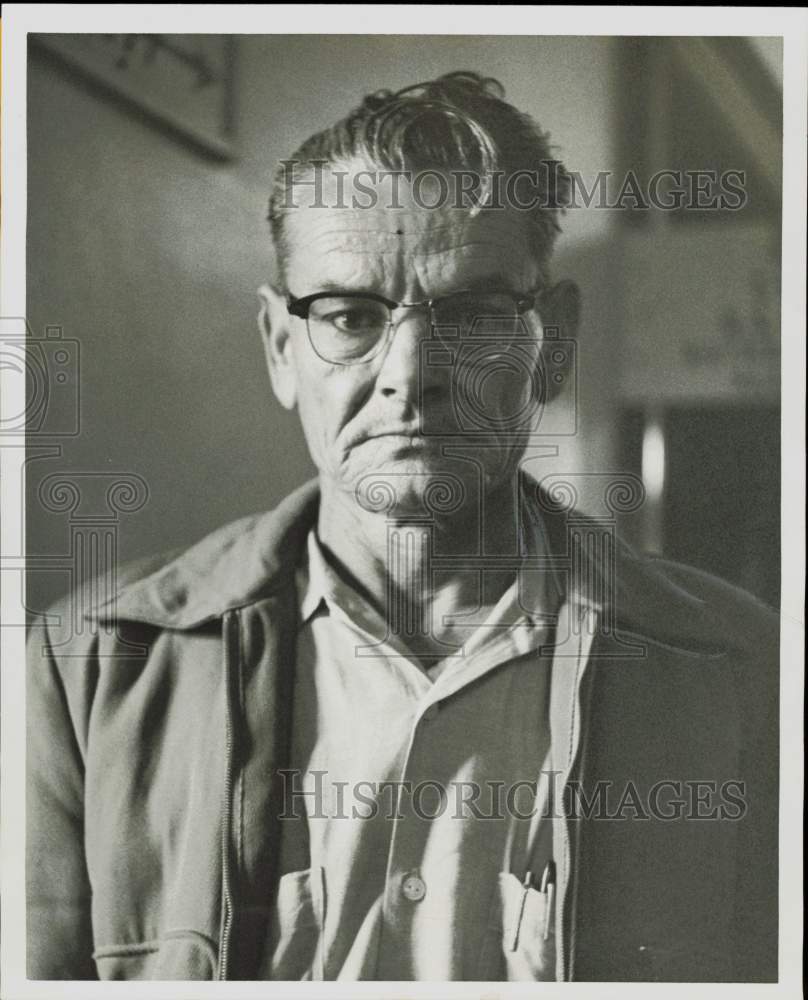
x=422 y=721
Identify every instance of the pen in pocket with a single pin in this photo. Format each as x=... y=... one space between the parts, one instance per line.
x=548 y=881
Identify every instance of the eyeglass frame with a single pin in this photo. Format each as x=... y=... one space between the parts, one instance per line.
x=299 y=307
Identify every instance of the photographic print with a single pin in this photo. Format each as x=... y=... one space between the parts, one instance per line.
x=405 y=464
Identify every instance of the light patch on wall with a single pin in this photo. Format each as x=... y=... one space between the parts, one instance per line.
x=653 y=460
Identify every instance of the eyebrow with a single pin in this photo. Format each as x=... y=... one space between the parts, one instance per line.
x=485 y=283
x=495 y=282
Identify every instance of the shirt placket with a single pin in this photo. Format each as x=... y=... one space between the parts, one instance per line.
x=405 y=886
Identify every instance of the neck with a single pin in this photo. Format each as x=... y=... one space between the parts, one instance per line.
x=397 y=560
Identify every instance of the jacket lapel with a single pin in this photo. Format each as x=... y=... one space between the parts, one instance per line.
x=577 y=621
x=237 y=565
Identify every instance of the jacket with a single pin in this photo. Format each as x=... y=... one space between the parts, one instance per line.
x=158 y=721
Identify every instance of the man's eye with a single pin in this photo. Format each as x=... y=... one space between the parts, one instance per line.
x=348 y=316
x=356 y=320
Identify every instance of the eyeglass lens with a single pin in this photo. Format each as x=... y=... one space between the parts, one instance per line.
x=344 y=329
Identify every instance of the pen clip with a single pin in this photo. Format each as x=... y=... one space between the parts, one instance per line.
x=548 y=880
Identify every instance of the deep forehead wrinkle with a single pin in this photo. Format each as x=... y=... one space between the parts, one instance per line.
x=406 y=251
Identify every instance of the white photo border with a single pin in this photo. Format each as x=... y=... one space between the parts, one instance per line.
x=789 y=23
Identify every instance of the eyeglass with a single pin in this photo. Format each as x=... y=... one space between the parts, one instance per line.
x=349 y=328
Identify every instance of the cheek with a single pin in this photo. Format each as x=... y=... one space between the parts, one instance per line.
x=497 y=391
x=325 y=403
x=319 y=407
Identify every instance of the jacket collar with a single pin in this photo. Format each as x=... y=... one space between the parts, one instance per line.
x=255 y=557
x=239 y=564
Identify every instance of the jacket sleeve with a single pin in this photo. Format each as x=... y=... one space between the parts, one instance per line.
x=757 y=869
x=59 y=931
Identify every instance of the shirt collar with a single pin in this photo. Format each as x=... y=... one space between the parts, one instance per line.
x=536 y=592
x=312 y=578
x=254 y=559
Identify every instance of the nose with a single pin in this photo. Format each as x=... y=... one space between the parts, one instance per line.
x=400 y=374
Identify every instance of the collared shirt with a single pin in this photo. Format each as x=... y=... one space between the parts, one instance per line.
x=417 y=821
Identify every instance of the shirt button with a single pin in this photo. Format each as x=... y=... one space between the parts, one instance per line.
x=413 y=888
x=431 y=712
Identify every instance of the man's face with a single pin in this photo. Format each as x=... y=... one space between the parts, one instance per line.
x=370 y=419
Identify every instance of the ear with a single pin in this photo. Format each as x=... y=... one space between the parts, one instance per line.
x=560 y=306
x=560 y=312
x=273 y=325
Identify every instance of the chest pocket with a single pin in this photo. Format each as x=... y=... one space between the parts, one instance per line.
x=520 y=941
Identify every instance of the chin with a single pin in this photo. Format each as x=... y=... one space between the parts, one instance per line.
x=401 y=477
x=413 y=486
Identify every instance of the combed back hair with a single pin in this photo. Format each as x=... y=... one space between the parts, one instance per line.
x=459 y=121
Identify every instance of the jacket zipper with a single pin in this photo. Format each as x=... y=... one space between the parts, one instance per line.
x=230 y=642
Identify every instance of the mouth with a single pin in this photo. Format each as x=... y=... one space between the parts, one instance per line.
x=398 y=440
x=401 y=438
x=411 y=433
x=417 y=435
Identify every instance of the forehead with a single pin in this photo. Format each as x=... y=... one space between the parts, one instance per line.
x=400 y=243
